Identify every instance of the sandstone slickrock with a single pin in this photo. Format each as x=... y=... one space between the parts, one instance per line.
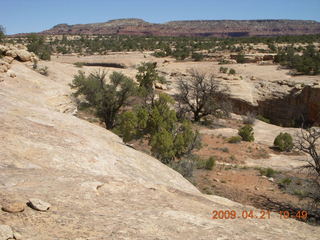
x=5 y=232
x=38 y=204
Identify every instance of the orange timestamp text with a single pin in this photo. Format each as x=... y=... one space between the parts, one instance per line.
x=257 y=214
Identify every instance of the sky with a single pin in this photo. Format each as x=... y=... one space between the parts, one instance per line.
x=19 y=16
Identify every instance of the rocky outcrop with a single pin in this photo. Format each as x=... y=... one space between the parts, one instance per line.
x=214 y=28
x=284 y=103
x=18 y=52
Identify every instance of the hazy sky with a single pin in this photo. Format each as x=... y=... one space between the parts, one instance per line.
x=36 y=15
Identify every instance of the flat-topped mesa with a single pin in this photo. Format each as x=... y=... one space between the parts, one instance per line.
x=213 y=28
x=127 y=22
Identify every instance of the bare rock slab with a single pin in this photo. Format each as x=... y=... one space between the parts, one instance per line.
x=5 y=232
x=38 y=204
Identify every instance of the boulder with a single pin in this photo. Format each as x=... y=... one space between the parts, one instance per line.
x=11 y=53
x=21 y=47
x=3 y=68
x=24 y=55
x=8 y=59
x=38 y=204
x=13 y=207
x=160 y=86
x=5 y=232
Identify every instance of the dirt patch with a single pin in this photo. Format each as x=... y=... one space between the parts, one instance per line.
x=247 y=186
x=234 y=153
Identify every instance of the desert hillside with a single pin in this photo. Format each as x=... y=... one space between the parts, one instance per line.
x=98 y=187
x=213 y=28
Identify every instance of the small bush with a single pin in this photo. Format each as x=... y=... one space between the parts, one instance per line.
x=197 y=57
x=283 y=142
x=268 y=172
x=225 y=149
x=210 y=163
x=232 y=71
x=223 y=69
x=235 y=139
x=286 y=181
x=246 y=132
x=185 y=167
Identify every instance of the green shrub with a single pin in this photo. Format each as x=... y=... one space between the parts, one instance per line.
x=286 y=181
x=210 y=163
x=268 y=172
x=224 y=149
x=235 y=139
x=197 y=56
x=223 y=69
x=232 y=71
x=246 y=133
x=240 y=58
x=283 y=142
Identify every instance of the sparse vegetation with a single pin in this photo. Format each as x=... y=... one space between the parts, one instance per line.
x=286 y=181
x=2 y=34
x=201 y=97
x=223 y=69
x=268 y=172
x=184 y=166
x=246 y=133
x=105 y=99
x=232 y=71
x=307 y=63
x=235 y=139
x=37 y=45
x=283 y=142
x=210 y=163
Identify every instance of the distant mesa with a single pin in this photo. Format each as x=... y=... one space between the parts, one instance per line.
x=206 y=28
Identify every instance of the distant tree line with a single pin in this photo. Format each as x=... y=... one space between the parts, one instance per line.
x=177 y=47
x=307 y=62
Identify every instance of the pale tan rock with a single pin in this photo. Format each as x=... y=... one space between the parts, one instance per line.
x=13 y=207
x=12 y=74
x=3 y=68
x=5 y=232
x=39 y=205
x=8 y=59
x=160 y=86
x=24 y=55
x=11 y=53
x=17 y=236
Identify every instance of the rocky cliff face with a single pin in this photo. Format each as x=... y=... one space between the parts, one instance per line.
x=283 y=104
x=214 y=28
x=97 y=187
